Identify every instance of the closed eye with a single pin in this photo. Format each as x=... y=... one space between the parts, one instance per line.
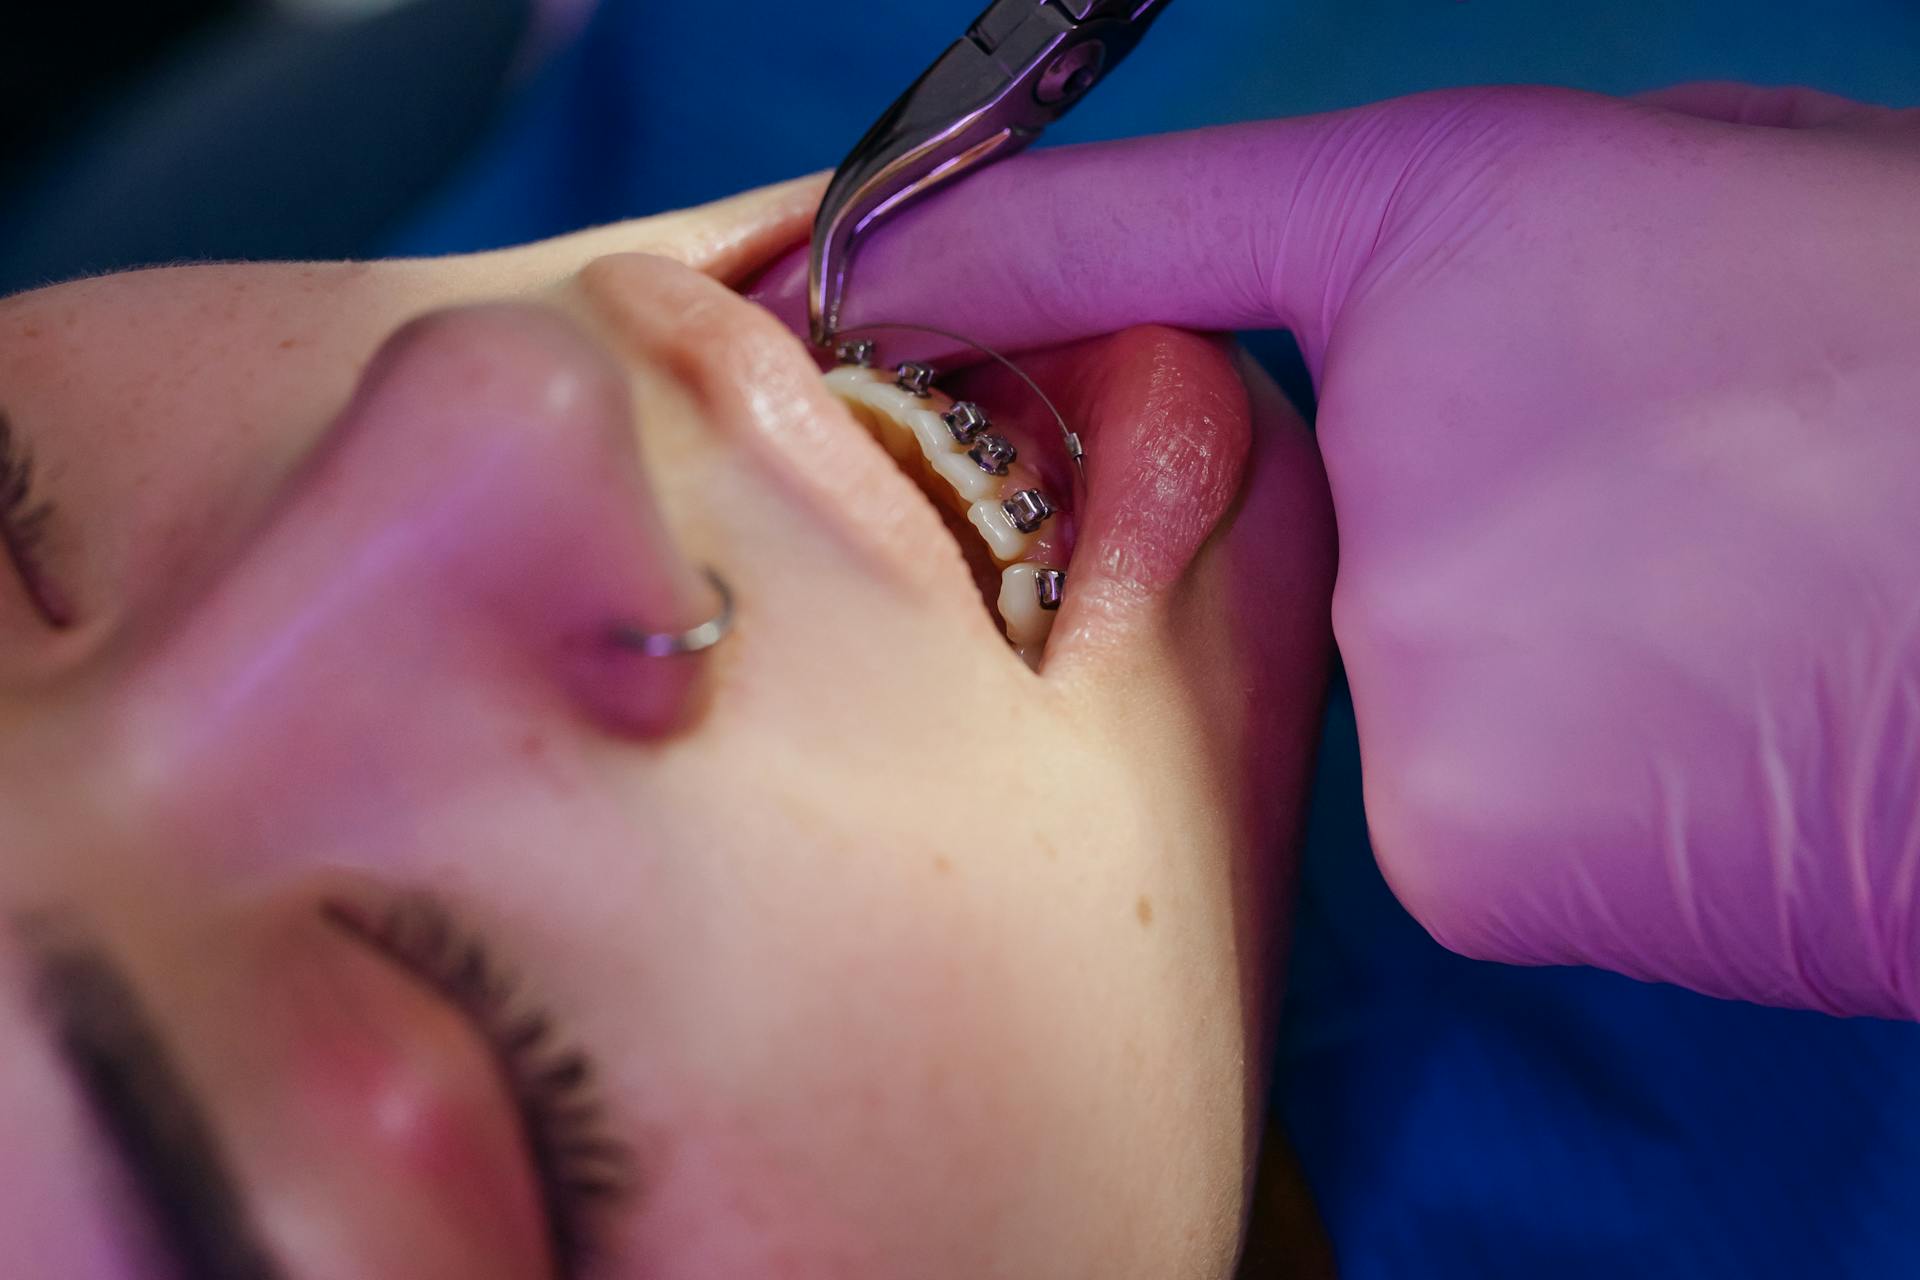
x=23 y=530
x=582 y=1171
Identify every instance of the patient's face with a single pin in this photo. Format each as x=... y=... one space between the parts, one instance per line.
x=885 y=955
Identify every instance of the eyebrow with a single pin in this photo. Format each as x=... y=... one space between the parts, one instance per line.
x=150 y=1116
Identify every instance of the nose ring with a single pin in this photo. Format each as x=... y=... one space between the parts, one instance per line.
x=675 y=644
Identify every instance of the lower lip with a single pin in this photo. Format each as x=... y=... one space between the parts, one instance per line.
x=1165 y=421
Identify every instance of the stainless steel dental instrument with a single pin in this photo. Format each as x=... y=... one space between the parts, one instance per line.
x=1022 y=65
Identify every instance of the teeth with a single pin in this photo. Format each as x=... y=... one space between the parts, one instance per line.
x=927 y=430
x=1004 y=539
x=1023 y=590
x=883 y=407
x=968 y=480
x=978 y=472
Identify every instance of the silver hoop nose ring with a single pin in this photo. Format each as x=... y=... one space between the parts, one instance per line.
x=677 y=644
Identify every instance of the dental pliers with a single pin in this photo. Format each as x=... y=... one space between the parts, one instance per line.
x=1022 y=65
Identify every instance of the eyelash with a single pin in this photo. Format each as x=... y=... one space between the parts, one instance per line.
x=581 y=1171
x=23 y=527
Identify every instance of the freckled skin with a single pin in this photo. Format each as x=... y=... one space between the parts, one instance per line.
x=847 y=912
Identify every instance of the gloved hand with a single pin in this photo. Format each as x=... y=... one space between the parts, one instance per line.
x=1620 y=403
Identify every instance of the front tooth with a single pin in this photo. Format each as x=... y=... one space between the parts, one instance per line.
x=936 y=447
x=845 y=380
x=960 y=471
x=928 y=431
x=1022 y=587
x=874 y=403
x=1005 y=541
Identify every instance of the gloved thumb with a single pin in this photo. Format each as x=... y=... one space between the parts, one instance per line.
x=1256 y=226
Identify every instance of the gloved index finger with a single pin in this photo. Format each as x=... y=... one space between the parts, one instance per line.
x=1182 y=229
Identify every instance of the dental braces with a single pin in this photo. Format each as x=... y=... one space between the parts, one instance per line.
x=1004 y=500
x=861 y=352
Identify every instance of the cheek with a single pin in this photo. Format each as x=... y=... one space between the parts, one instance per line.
x=345 y=1084
x=859 y=1101
x=920 y=1057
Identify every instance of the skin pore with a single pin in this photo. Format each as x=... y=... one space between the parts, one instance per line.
x=853 y=948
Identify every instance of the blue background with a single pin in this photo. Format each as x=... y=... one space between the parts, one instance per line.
x=666 y=105
x=1455 y=1119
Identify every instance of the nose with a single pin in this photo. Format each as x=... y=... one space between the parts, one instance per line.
x=446 y=577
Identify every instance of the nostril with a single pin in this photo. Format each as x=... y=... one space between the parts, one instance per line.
x=646 y=680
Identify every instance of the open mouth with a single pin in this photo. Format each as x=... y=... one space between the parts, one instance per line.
x=1165 y=418
x=1004 y=494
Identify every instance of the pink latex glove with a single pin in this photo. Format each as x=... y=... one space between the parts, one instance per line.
x=1620 y=402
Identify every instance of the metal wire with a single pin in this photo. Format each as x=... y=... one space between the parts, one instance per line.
x=1075 y=450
